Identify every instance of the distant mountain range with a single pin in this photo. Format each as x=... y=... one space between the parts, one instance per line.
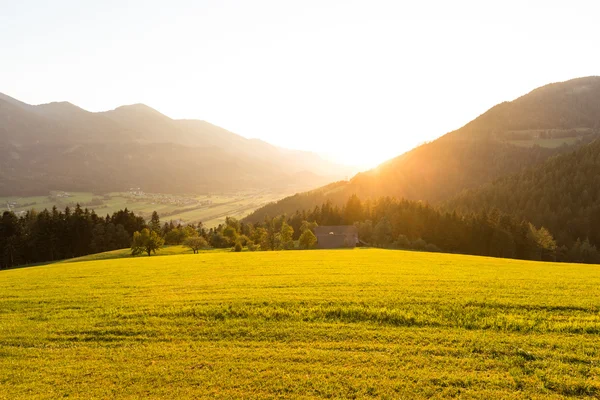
x=510 y=137
x=59 y=146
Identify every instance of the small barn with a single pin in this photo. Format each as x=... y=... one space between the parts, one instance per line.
x=335 y=237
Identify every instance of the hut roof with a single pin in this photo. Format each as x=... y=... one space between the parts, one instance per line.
x=336 y=230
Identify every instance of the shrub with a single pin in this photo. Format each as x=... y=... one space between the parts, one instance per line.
x=419 y=244
x=402 y=242
x=432 y=248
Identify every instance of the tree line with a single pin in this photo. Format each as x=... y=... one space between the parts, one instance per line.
x=391 y=223
x=54 y=235
x=271 y=234
x=385 y=222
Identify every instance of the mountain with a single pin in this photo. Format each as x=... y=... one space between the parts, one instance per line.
x=59 y=146
x=551 y=120
x=562 y=194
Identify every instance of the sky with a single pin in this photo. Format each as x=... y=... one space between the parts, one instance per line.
x=356 y=81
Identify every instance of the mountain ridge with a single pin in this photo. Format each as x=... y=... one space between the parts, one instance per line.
x=33 y=138
x=503 y=140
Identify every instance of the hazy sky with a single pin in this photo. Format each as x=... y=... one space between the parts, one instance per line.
x=361 y=81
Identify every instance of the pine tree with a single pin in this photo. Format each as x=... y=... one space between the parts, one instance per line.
x=155 y=223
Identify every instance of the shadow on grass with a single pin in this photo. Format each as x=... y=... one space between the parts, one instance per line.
x=173 y=250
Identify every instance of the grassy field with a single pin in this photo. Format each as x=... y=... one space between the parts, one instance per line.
x=548 y=143
x=334 y=324
x=572 y=137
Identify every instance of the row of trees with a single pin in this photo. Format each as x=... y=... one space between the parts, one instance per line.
x=153 y=237
x=54 y=235
x=391 y=223
x=273 y=234
x=385 y=222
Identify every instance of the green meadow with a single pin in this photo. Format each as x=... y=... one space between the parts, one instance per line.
x=304 y=324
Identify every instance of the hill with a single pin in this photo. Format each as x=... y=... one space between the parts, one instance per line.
x=562 y=194
x=59 y=146
x=349 y=323
x=509 y=137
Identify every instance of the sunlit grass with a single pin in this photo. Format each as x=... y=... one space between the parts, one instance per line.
x=347 y=323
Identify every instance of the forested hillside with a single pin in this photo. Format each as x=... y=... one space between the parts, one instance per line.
x=391 y=223
x=511 y=136
x=562 y=194
x=59 y=146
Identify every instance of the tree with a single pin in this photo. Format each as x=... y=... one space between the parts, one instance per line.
x=99 y=239
x=233 y=223
x=9 y=238
x=219 y=241
x=546 y=245
x=146 y=241
x=286 y=236
x=129 y=220
x=584 y=252
x=195 y=243
x=365 y=230
x=190 y=231
x=354 y=210
x=308 y=226
x=264 y=239
x=307 y=239
x=382 y=234
x=402 y=242
x=258 y=234
x=155 y=223
x=121 y=237
x=238 y=247
x=230 y=233
x=175 y=236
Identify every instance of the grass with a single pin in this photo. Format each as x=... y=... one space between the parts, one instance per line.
x=310 y=324
x=574 y=136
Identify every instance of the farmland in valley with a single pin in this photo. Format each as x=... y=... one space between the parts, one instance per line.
x=210 y=209
x=345 y=323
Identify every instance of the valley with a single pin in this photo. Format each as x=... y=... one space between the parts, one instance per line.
x=210 y=209
x=299 y=200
